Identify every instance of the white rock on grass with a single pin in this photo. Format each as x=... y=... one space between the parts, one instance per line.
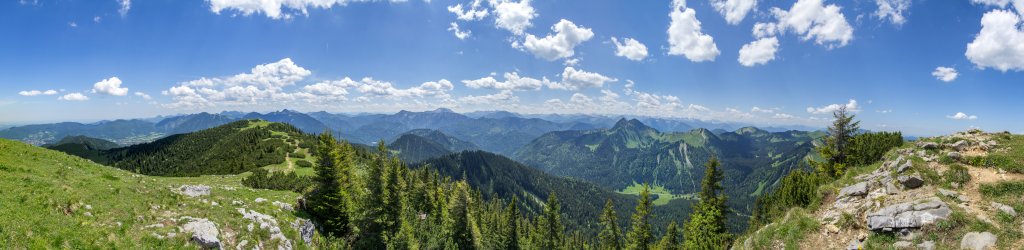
x=204 y=232
x=908 y=215
x=268 y=223
x=859 y=189
x=194 y=190
x=260 y=200
x=306 y=230
x=1004 y=208
x=978 y=241
x=284 y=206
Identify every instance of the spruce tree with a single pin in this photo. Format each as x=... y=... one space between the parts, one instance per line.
x=456 y=222
x=707 y=229
x=372 y=219
x=670 y=241
x=551 y=228
x=327 y=204
x=640 y=236
x=610 y=237
x=836 y=149
x=511 y=230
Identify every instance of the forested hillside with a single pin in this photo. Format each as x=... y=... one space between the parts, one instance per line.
x=83 y=146
x=421 y=144
x=631 y=152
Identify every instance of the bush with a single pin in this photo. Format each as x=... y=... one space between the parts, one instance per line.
x=299 y=155
x=957 y=174
x=263 y=179
x=867 y=148
x=304 y=164
x=797 y=189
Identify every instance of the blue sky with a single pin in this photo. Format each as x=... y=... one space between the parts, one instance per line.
x=92 y=60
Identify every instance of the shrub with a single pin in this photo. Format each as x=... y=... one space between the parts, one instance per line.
x=957 y=174
x=298 y=155
x=304 y=164
x=263 y=179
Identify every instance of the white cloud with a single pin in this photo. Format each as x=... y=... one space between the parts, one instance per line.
x=892 y=10
x=73 y=24
x=504 y=96
x=559 y=45
x=125 y=6
x=512 y=82
x=462 y=35
x=945 y=74
x=474 y=11
x=1000 y=44
x=758 y=52
x=37 y=92
x=97 y=19
x=109 y=86
x=386 y=89
x=734 y=10
x=277 y=9
x=338 y=88
x=513 y=16
x=74 y=97
x=630 y=49
x=756 y=109
x=685 y=36
x=783 y=116
x=850 y=106
x=1017 y=4
x=264 y=82
x=962 y=116
x=825 y=24
x=574 y=80
x=884 y=111
x=143 y=95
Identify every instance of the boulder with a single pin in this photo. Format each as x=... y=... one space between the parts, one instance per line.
x=960 y=145
x=284 y=206
x=953 y=194
x=855 y=245
x=204 y=233
x=954 y=155
x=908 y=215
x=978 y=241
x=902 y=244
x=859 y=189
x=194 y=190
x=927 y=245
x=928 y=145
x=306 y=229
x=1004 y=208
x=891 y=189
x=267 y=222
x=904 y=167
x=911 y=181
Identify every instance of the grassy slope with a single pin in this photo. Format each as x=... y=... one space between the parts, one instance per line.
x=44 y=195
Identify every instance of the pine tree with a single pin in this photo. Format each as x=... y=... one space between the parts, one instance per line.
x=327 y=204
x=836 y=149
x=640 y=236
x=372 y=220
x=610 y=237
x=551 y=228
x=670 y=241
x=456 y=223
x=707 y=229
x=511 y=231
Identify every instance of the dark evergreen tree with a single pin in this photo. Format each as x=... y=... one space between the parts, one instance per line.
x=327 y=204
x=372 y=220
x=510 y=232
x=707 y=228
x=640 y=236
x=551 y=229
x=670 y=241
x=457 y=232
x=610 y=237
x=836 y=149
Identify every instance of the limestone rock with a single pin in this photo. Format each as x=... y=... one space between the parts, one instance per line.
x=1006 y=209
x=954 y=155
x=953 y=194
x=306 y=230
x=928 y=145
x=194 y=190
x=284 y=206
x=927 y=245
x=268 y=223
x=902 y=244
x=855 y=245
x=911 y=181
x=260 y=200
x=978 y=241
x=904 y=167
x=908 y=215
x=859 y=189
x=960 y=145
x=204 y=233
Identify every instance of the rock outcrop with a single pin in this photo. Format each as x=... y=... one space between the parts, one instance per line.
x=978 y=241
x=908 y=215
x=204 y=233
x=193 y=190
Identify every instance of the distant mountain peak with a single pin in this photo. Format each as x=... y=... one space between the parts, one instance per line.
x=631 y=124
x=750 y=130
x=443 y=110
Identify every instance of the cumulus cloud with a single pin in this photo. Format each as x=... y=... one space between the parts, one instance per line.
x=143 y=95
x=962 y=116
x=828 y=109
x=505 y=96
x=512 y=82
x=1000 y=44
x=945 y=74
x=37 y=92
x=756 y=109
x=1017 y=4
x=513 y=16
x=277 y=9
x=574 y=80
x=462 y=35
x=559 y=45
x=473 y=12
x=758 y=52
x=892 y=10
x=734 y=10
x=74 y=97
x=438 y=88
x=109 y=86
x=630 y=49
x=685 y=36
x=812 y=20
